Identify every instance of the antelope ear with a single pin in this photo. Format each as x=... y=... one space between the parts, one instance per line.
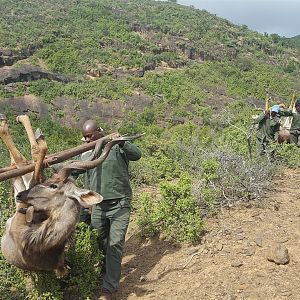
x=29 y=214
x=85 y=198
x=90 y=198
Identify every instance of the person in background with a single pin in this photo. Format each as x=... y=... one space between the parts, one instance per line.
x=111 y=216
x=268 y=125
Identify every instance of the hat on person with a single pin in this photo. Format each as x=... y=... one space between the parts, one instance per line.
x=275 y=108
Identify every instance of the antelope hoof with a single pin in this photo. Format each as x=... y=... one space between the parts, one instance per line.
x=62 y=272
x=21 y=118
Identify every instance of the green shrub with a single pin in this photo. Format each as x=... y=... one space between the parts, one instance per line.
x=289 y=154
x=147 y=215
x=209 y=170
x=84 y=257
x=13 y=282
x=157 y=163
x=179 y=214
x=44 y=286
x=152 y=169
x=175 y=214
x=209 y=176
x=62 y=57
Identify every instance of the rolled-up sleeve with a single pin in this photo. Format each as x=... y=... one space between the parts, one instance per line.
x=132 y=151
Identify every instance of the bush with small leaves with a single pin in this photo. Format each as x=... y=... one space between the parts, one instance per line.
x=178 y=211
x=174 y=213
x=147 y=215
x=288 y=154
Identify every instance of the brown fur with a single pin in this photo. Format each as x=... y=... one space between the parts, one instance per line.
x=37 y=242
x=283 y=136
x=46 y=215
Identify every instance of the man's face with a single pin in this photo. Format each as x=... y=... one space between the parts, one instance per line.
x=92 y=135
x=298 y=108
x=273 y=114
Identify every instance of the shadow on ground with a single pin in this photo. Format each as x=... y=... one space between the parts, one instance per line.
x=140 y=258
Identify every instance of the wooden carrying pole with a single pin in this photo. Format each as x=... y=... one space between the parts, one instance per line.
x=293 y=101
x=13 y=171
x=267 y=105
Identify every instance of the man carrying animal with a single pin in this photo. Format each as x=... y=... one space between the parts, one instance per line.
x=47 y=210
x=268 y=125
x=111 y=217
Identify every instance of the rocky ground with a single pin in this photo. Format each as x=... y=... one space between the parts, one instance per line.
x=234 y=259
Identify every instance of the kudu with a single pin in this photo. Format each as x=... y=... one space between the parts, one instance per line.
x=47 y=213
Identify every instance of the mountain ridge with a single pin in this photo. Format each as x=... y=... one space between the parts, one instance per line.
x=111 y=50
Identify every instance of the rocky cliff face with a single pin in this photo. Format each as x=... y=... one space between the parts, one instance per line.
x=8 y=57
x=184 y=46
x=27 y=73
x=71 y=113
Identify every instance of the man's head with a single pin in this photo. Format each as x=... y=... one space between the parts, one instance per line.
x=91 y=131
x=275 y=110
x=297 y=105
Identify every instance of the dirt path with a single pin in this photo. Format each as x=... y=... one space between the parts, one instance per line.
x=231 y=262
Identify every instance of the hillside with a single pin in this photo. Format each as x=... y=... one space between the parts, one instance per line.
x=293 y=41
x=191 y=82
x=231 y=262
x=110 y=52
x=113 y=31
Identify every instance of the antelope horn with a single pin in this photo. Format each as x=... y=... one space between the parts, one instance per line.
x=38 y=148
x=65 y=171
x=12 y=171
x=42 y=149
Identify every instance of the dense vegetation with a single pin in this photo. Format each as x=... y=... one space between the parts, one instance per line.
x=199 y=74
x=293 y=42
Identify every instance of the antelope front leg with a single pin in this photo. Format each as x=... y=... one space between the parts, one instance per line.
x=62 y=270
x=16 y=156
x=19 y=183
x=38 y=148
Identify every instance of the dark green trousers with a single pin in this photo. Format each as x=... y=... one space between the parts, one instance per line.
x=261 y=146
x=111 y=219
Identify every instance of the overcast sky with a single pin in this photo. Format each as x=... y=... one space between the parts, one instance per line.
x=271 y=16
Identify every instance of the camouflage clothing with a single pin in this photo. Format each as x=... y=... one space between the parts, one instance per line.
x=267 y=127
x=267 y=132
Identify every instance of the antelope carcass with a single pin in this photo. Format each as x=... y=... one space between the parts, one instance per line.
x=46 y=212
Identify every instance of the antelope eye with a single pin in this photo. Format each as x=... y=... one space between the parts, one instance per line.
x=53 y=186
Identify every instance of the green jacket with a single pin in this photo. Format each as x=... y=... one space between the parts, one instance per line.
x=267 y=127
x=111 y=178
x=295 y=126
